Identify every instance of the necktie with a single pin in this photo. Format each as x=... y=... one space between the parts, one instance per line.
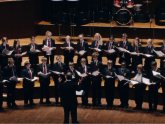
x=30 y=74
x=49 y=45
x=44 y=69
x=13 y=71
x=137 y=50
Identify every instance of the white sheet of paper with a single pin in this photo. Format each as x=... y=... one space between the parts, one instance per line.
x=95 y=73
x=120 y=77
x=107 y=76
x=79 y=93
x=159 y=53
x=82 y=52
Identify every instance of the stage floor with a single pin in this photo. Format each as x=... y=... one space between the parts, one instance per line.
x=54 y=114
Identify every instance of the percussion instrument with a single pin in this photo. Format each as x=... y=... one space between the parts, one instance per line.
x=123 y=16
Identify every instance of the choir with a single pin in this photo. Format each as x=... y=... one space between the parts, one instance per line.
x=87 y=76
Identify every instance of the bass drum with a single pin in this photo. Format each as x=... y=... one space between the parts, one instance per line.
x=123 y=17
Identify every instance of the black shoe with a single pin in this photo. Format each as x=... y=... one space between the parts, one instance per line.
x=48 y=102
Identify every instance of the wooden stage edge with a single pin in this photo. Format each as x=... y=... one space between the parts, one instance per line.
x=113 y=24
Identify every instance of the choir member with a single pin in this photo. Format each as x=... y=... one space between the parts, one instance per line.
x=4 y=57
x=28 y=84
x=123 y=56
x=59 y=67
x=68 y=98
x=148 y=60
x=109 y=46
x=109 y=77
x=10 y=75
x=97 y=44
x=85 y=81
x=162 y=69
x=44 y=78
x=136 y=59
x=50 y=43
x=82 y=45
x=96 y=66
x=72 y=70
x=153 y=88
x=163 y=50
x=1 y=90
x=32 y=51
x=17 y=56
x=124 y=86
x=68 y=50
x=140 y=87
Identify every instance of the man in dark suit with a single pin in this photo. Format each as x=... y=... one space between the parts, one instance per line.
x=149 y=50
x=162 y=69
x=4 y=57
x=44 y=78
x=153 y=88
x=60 y=67
x=109 y=46
x=97 y=44
x=82 y=45
x=109 y=83
x=95 y=66
x=69 y=98
x=125 y=57
x=163 y=50
x=136 y=59
x=11 y=77
x=140 y=87
x=123 y=86
x=33 y=54
x=1 y=90
x=72 y=70
x=50 y=43
x=85 y=81
x=68 y=51
x=28 y=84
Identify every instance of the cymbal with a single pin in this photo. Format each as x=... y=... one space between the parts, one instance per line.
x=147 y=1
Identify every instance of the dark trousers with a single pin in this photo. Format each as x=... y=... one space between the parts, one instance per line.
x=123 y=93
x=44 y=89
x=1 y=95
x=28 y=92
x=153 y=96
x=85 y=87
x=163 y=89
x=50 y=59
x=57 y=88
x=109 y=91
x=139 y=94
x=70 y=109
x=68 y=57
x=11 y=93
x=96 y=90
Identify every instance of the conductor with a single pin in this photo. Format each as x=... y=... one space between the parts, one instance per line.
x=69 y=99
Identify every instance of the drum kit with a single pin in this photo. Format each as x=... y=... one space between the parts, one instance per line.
x=125 y=10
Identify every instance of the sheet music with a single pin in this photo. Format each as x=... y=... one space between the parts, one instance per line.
x=20 y=79
x=97 y=49
x=81 y=52
x=146 y=81
x=95 y=73
x=81 y=75
x=108 y=76
x=110 y=51
x=7 y=52
x=159 y=53
x=58 y=73
x=79 y=93
x=133 y=82
x=120 y=77
x=24 y=53
x=147 y=55
x=122 y=50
